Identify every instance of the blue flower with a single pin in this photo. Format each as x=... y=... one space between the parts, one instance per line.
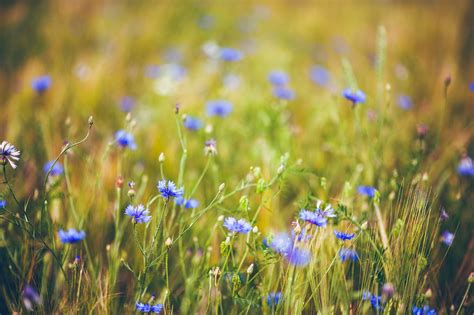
x=366 y=295
x=298 y=256
x=41 y=84
x=71 y=236
x=366 y=191
x=147 y=308
x=344 y=236
x=138 y=213
x=30 y=297
x=471 y=86
x=447 y=238
x=192 y=123
x=425 y=310
x=127 y=103
x=313 y=218
x=348 y=254
x=466 y=167
x=354 y=96
x=169 y=190
x=283 y=93
x=281 y=243
x=56 y=170
x=376 y=301
x=328 y=212
x=284 y=245
x=319 y=75
x=157 y=308
x=273 y=299
x=3 y=203
x=278 y=78
x=405 y=102
x=230 y=54
x=443 y=215
x=237 y=226
x=187 y=203
x=219 y=108
x=125 y=139
x=231 y=81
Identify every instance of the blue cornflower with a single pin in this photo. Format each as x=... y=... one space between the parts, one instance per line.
x=3 y=203
x=230 y=54
x=466 y=167
x=425 y=310
x=219 y=108
x=443 y=215
x=237 y=226
x=471 y=86
x=405 y=102
x=328 y=212
x=147 y=308
x=366 y=190
x=376 y=301
x=447 y=238
x=281 y=243
x=354 y=96
x=157 y=308
x=56 y=170
x=348 y=254
x=125 y=139
x=30 y=297
x=138 y=213
x=127 y=103
x=298 y=256
x=192 y=123
x=344 y=236
x=278 y=77
x=313 y=218
x=71 y=236
x=8 y=153
x=319 y=75
x=42 y=83
x=284 y=245
x=366 y=295
x=283 y=93
x=187 y=203
x=273 y=299
x=169 y=190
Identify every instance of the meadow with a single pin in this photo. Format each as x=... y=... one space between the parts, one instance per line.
x=234 y=157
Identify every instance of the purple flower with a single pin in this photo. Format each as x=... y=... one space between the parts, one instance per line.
x=273 y=299
x=348 y=254
x=354 y=96
x=56 y=170
x=219 y=108
x=313 y=218
x=319 y=75
x=237 y=226
x=168 y=189
x=344 y=236
x=281 y=243
x=230 y=54
x=366 y=191
x=284 y=245
x=71 y=236
x=447 y=238
x=41 y=84
x=278 y=78
x=187 y=203
x=405 y=102
x=8 y=153
x=30 y=297
x=192 y=123
x=466 y=167
x=283 y=93
x=298 y=256
x=127 y=103
x=471 y=86
x=3 y=203
x=138 y=213
x=125 y=140
x=443 y=215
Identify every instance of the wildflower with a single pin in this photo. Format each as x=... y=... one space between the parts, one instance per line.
x=281 y=243
x=354 y=96
x=9 y=153
x=147 y=308
x=443 y=215
x=230 y=54
x=298 y=256
x=41 y=84
x=376 y=302
x=388 y=289
x=56 y=170
x=319 y=75
x=447 y=238
x=3 y=203
x=125 y=139
x=30 y=297
x=328 y=212
x=284 y=245
x=192 y=123
x=278 y=78
x=127 y=103
x=425 y=310
x=187 y=203
x=71 y=236
x=344 y=236
x=366 y=295
x=210 y=147
x=405 y=102
x=421 y=130
x=273 y=299
x=169 y=190
x=466 y=167
x=138 y=213
x=348 y=254
x=237 y=226
x=283 y=93
x=366 y=190
x=471 y=86
x=219 y=108
x=313 y=218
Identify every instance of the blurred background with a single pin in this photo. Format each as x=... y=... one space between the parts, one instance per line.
x=109 y=58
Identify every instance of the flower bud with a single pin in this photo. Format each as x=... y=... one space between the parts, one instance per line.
x=250 y=269
x=161 y=158
x=168 y=242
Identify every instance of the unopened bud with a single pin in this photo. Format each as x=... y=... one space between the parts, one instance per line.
x=470 y=279
x=428 y=293
x=221 y=187
x=250 y=269
x=255 y=229
x=119 y=182
x=131 y=193
x=161 y=158
x=90 y=121
x=220 y=218
x=168 y=242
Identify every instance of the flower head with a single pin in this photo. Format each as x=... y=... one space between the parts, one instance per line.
x=273 y=299
x=230 y=54
x=210 y=147
x=125 y=139
x=127 y=103
x=354 y=96
x=344 y=236
x=405 y=102
x=237 y=226
x=281 y=243
x=71 y=236
x=30 y=297
x=319 y=75
x=447 y=238
x=138 y=213
x=471 y=86
x=298 y=256
x=220 y=108
x=42 y=83
x=286 y=246
x=348 y=254
x=3 y=203
x=169 y=190
x=327 y=212
x=443 y=215
x=192 y=123
x=278 y=77
x=425 y=310
x=466 y=167
x=366 y=191
x=8 y=153
x=284 y=93
x=187 y=203
x=313 y=218
x=56 y=170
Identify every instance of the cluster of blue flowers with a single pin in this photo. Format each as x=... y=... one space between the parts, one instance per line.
x=355 y=96
x=279 y=81
x=319 y=216
x=289 y=248
x=147 y=308
x=368 y=191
